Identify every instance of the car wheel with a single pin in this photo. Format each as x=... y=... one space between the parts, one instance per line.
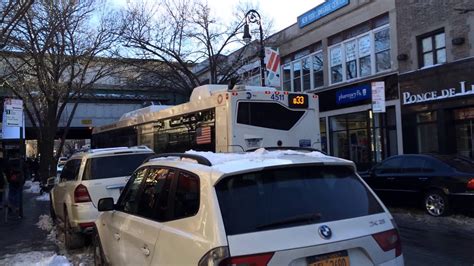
x=436 y=203
x=99 y=258
x=72 y=240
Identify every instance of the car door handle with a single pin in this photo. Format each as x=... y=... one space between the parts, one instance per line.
x=422 y=178
x=117 y=236
x=145 y=251
x=390 y=178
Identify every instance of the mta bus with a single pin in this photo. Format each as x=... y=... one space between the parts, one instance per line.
x=220 y=120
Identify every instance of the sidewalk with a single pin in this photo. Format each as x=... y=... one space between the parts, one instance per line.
x=23 y=235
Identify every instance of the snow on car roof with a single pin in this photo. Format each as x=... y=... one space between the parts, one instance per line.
x=236 y=162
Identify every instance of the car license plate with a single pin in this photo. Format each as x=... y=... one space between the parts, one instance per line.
x=332 y=259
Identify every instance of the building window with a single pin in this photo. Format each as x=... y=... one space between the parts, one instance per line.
x=432 y=49
x=361 y=56
x=351 y=60
x=382 y=50
x=286 y=69
x=317 y=59
x=304 y=73
x=336 y=64
x=297 y=76
x=365 y=65
x=427 y=132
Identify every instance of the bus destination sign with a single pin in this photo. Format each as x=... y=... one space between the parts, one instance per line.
x=297 y=100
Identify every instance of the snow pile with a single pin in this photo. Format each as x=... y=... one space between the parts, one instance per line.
x=35 y=258
x=28 y=183
x=32 y=187
x=406 y=216
x=44 y=197
x=45 y=223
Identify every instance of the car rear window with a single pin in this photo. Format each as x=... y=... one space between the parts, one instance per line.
x=459 y=163
x=291 y=196
x=113 y=166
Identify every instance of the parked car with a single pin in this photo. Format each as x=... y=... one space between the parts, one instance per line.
x=87 y=177
x=440 y=182
x=258 y=208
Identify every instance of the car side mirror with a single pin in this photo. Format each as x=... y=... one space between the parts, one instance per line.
x=106 y=204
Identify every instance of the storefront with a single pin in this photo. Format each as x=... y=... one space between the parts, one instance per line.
x=351 y=130
x=438 y=109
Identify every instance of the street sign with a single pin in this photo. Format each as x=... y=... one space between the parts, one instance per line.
x=13 y=109
x=378 y=97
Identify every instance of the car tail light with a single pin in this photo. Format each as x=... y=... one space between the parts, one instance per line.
x=86 y=225
x=470 y=184
x=81 y=194
x=214 y=256
x=252 y=260
x=389 y=240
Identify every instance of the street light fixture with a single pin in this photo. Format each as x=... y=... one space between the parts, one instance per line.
x=253 y=16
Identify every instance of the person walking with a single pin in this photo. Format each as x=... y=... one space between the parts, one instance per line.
x=15 y=187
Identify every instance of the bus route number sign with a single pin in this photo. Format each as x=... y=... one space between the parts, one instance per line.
x=298 y=100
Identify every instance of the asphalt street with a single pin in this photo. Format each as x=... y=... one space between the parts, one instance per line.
x=435 y=241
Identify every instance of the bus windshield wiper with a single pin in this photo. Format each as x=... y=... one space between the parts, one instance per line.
x=311 y=217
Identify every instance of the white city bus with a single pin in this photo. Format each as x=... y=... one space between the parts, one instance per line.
x=220 y=120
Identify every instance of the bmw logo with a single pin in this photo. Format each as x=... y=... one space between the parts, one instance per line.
x=325 y=231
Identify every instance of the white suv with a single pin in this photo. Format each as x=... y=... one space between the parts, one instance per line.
x=87 y=177
x=259 y=208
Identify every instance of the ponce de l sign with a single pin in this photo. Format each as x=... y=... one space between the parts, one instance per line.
x=409 y=98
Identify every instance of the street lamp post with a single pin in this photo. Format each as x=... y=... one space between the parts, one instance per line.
x=253 y=16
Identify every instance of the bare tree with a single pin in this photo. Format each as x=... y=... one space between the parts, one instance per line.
x=187 y=39
x=57 y=53
x=11 y=11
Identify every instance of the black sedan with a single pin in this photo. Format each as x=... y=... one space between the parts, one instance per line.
x=441 y=182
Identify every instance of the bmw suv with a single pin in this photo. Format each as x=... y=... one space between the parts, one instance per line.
x=259 y=208
x=87 y=177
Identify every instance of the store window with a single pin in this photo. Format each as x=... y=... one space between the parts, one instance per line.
x=304 y=73
x=364 y=55
x=432 y=48
x=324 y=138
x=384 y=135
x=427 y=132
x=464 y=121
x=350 y=137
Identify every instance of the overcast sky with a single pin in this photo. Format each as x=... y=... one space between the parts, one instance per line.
x=283 y=12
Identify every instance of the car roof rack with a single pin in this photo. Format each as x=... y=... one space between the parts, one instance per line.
x=198 y=158
x=283 y=148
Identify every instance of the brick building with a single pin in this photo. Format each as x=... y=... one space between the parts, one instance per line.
x=436 y=75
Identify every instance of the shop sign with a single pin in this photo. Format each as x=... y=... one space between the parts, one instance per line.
x=428 y=96
x=378 y=97
x=354 y=94
x=321 y=11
